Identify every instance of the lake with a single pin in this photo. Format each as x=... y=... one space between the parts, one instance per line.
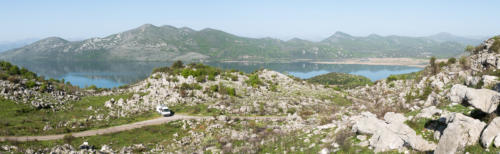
x=113 y=74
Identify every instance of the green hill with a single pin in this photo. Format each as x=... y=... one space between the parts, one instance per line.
x=167 y=43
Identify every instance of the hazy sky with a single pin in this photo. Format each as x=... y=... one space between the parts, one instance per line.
x=282 y=19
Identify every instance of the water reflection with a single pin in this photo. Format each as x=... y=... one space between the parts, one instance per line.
x=112 y=74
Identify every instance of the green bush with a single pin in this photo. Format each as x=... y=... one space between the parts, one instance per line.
x=495 y=47
x=392 y=78
x=452 y=60
x=193 y=86
x=30 y=84
x=177 y=64
x=464 y=62
x=341 y=80
x=254 y=80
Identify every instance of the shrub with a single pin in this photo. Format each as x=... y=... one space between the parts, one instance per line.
x=14 y=70
x=178 y=64
x=343 y=80
x=201 y=79
x=452 y=60
x=30 y=84
x=442 y=64
x=464 y=62
x=392 y=78
x=434 y=67
x=470 y=48
x=193 y=86
x=13 y=79
x=68 y=138
x=211 y=77
x=162 y=69
x=4 y=76
x=43 y=87
x=495 y=47
x=254 y=80
x=94 y=87
x=391 y=85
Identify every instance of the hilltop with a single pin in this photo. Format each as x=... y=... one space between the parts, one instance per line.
x=168 y=43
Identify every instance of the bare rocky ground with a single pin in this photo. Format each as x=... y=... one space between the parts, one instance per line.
x=446 y=108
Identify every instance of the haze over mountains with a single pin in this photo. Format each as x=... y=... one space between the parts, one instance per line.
x=166 y=43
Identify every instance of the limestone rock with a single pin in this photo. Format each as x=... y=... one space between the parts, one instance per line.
x=389 y=134
x=392 y=117
x=489 y=80
x=460 y=132
x=483 y=99
x=491 y=132
x=429 y=112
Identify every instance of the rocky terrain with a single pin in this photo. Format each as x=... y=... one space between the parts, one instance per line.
x=449 y=107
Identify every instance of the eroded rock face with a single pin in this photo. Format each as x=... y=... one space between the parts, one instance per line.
x=491 y=132
x=460 y=132
x=483 y=99
x=389 y=134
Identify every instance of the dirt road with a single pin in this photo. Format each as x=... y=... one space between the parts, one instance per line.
x=125 y=127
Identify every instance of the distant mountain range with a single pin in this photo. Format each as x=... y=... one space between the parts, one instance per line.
x=167 y=43
x=4 y=46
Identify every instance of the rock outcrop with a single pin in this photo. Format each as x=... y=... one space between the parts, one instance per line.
x=460 y=132
x=492 y=132
x=390 y=134
x=483 y=99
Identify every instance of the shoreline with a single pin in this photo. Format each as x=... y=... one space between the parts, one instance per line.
x=420 y=63
x=412 y=62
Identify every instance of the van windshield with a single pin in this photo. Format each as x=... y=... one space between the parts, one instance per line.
x=166 y=110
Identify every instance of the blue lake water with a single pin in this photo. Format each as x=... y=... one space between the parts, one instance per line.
x=114 y=74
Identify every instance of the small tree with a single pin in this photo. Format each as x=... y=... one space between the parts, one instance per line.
x=434 y=66
x=452 y=60
x=178 y=64
x=470 y=49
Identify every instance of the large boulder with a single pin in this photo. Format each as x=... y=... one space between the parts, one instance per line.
x=491 y=132
x=460 y=132
x=390 y=134
x=483 y=99
x=489 y=80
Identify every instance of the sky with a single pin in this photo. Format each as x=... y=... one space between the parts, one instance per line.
x=283 y=19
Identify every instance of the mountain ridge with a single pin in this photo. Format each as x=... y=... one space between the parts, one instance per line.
x=165 y=43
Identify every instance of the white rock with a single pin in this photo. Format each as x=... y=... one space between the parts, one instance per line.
x=483 y=99
x=391 y=134
x=496 y=142
x=460 y=132
x=391 y=117
x=429 y=112
x=491 y=132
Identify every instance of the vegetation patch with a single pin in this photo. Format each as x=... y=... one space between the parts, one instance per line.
x=199 y=109
x=342 y=80
x=23 y=119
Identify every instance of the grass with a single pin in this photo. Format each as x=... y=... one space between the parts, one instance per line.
x=477 y=148
x=459 y=108
x=23 y=119
x=162 y=134
x=336 y=99
x=419 y=126
x=199 y=109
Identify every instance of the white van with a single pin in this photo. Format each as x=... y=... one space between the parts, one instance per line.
x=164 y=111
